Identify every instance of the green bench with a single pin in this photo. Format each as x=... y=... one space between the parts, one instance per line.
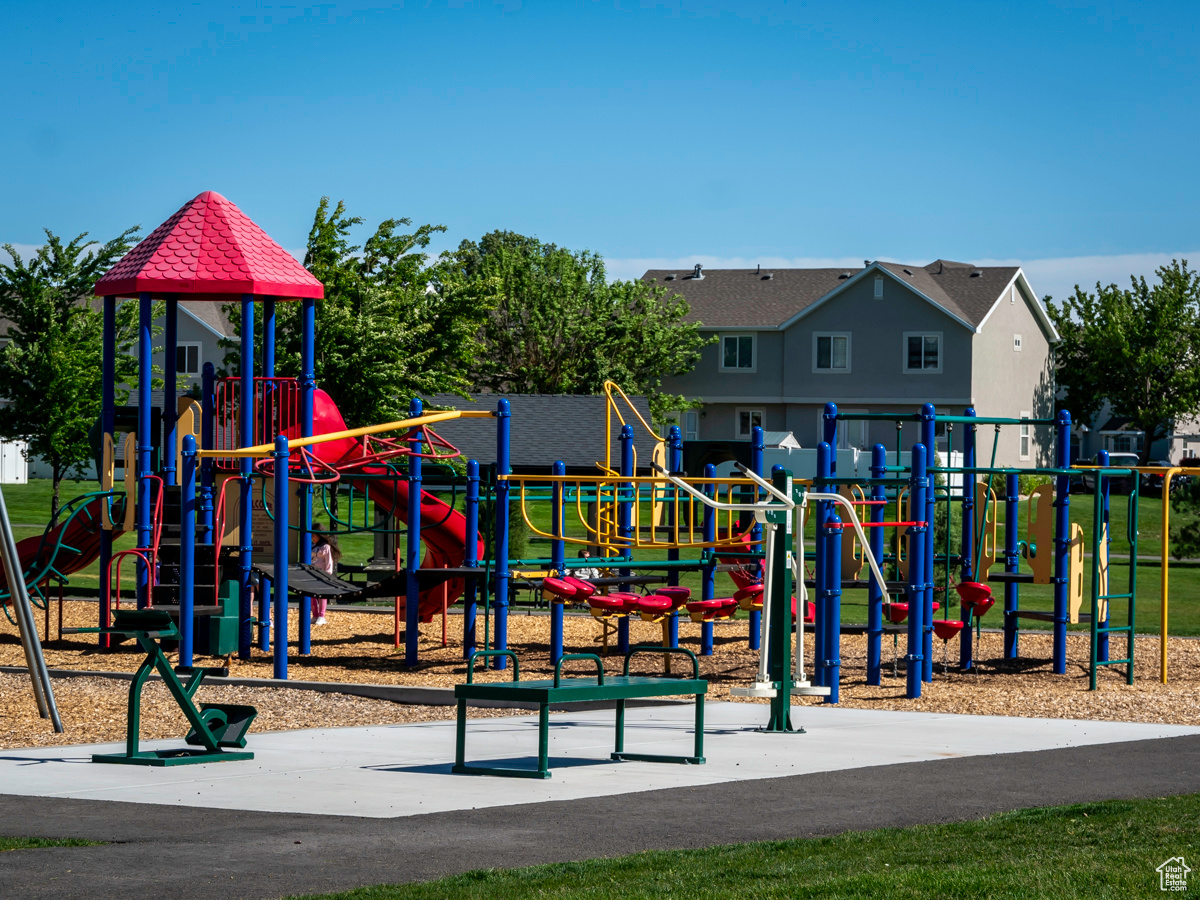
x=619 y=688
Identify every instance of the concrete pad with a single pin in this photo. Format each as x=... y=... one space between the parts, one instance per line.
x=404 y=770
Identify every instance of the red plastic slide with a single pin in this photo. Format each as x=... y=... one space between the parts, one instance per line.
x=443 y=529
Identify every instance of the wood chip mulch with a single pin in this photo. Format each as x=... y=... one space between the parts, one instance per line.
x=358 y=647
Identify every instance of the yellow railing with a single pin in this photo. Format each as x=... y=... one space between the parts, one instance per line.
x=609 y=492
x=611 y=391
x=262 y=450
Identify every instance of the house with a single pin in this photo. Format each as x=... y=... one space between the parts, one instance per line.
x=1118 y=434
x=884 y=338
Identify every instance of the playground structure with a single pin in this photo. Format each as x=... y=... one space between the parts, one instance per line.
x=247 y=458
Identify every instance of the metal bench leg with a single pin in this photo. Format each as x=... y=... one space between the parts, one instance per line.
x=543 y=740
x=460 y=738
x=620 y=727
x=699 y=754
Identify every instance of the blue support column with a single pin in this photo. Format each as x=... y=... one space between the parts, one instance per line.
x=169 y=413
x=471 y=558
x=503 y=447
x=280 y=588
x=875 y=589
x=1012 y=563
x=268 y=369
x=144 y=445
x=187 y=551
x=821 y=587
x=756 y=464
x=557 y=562
x=108 y=380
x=1104 y=485
x=832 y=663
x=246 y=469
x=1062 y=541
x=208 y=392
x=268 y=338
x=308 y=386
x=966 y=570
x=675 y=464
x=929 y=439
x=708 y=575
x=412 y=597
x=916 y=578
x=625 y=526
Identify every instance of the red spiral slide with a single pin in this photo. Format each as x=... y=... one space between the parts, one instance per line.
x=443 y=529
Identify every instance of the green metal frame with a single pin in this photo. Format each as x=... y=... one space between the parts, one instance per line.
x=215 y=726
x=545 y=692
x=1097 y=597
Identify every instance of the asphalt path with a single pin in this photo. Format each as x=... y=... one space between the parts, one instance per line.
x=168 y=852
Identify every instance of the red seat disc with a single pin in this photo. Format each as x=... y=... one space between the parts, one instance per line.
x=678 y=595
x=559 y=588
x=946 y=628
x=583 y=590
x=896 y=612
x=653 y=604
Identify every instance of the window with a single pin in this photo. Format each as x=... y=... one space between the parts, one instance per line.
x=922 y=353
x=1016 y=343
x=691 y=426
x=187 y=359
x=737 y=353
x=878 y=286
x=1025 y=436
x=747 y=419
x=831 y=352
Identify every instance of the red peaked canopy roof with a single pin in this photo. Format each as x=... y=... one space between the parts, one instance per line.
x=211 y=250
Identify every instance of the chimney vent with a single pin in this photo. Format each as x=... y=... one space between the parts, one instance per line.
x=698 y=274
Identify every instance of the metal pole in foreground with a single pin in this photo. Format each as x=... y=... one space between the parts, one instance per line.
x=43 y=692
x=280 y=592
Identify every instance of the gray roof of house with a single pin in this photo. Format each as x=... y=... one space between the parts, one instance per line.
x=545 y=428
x=749 y=298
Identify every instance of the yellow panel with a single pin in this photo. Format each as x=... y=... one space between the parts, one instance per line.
x=852 y=555
x=130 y=479
x=1039 y=534
x=985 y=529
x=187 y=423
x=1075 y=573
x=1102 y=587
x=107 y=474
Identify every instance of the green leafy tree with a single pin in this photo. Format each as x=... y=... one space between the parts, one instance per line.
x=387 y=330
x=51 y=366
x=558 y=326
x=1138 y=348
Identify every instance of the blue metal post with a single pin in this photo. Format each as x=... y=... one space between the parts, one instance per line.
x=825 y=454
x=874 y=589
x=625 y=526
x=144 y=445
x=967 y=562
x=108 y=380
x=708 y=575
x=1062 y=541
x=756 y=464
x=208 y=388
x=1104 y=485
x=558 y=562
x=675 y=464
x=916 y=577
x=187 y=550
x=268 y=369
x=503 y=446
x=471 y=558
x=281 y=556
x=169 y=413
x=929 y=439
x=246 y=468
x=268 y=338
x=1012 y=563
x=308 y=386
x=832 y=663
x=412 y=598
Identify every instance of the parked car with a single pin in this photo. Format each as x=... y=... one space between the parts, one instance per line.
x=1117 y=484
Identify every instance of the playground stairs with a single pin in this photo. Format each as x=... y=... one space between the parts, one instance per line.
x=215 y=610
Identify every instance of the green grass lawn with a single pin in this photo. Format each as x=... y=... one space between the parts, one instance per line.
x=1090 y=850
x=15 y=843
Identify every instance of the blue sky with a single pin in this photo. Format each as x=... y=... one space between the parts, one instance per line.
x=1062 y=135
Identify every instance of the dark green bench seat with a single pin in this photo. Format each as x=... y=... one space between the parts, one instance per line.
x=618 y=688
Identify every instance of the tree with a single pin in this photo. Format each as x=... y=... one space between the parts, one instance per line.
x=558 y=326
x=386 y=331
x=51 y=367
x=1138 y=348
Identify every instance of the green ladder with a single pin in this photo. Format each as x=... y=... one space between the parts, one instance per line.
x=215 y=726
x=1100 y=537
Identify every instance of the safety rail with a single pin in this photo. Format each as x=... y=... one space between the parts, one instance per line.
x=611 y=391
x=277 y=403
x=610 y=491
